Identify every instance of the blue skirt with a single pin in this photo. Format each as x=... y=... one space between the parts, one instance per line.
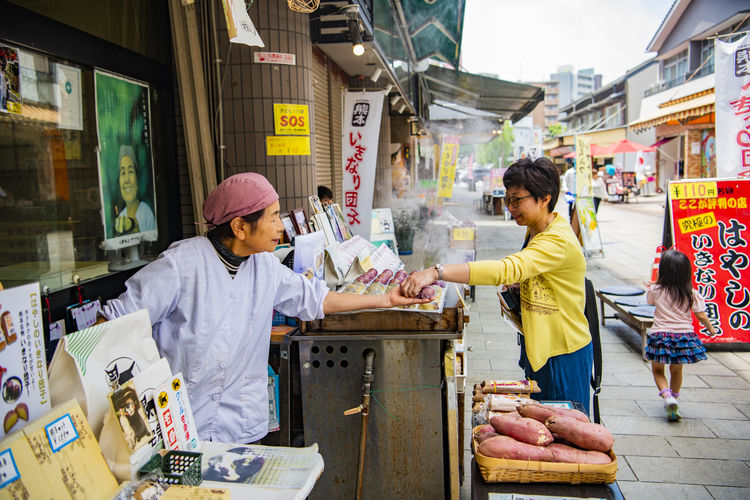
x=675 y=348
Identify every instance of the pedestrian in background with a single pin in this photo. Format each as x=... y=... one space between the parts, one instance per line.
x=599 y=190
x=672 y=340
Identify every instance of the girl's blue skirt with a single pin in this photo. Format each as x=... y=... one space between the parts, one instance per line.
x=674 y=348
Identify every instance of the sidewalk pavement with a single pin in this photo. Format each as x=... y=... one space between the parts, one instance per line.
x=706 y=454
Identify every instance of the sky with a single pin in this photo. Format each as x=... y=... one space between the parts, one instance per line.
x=526 y=40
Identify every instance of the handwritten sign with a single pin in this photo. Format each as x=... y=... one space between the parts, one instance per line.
x=287 y=146
x=713 y=233
x=463 y=233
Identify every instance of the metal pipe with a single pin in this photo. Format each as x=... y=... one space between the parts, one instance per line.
x=368 y=377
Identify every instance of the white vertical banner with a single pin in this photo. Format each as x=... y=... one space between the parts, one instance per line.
x=359 y=150
x=732 y=108
x=239 y=25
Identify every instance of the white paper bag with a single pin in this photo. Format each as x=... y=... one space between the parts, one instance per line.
x=90 y=363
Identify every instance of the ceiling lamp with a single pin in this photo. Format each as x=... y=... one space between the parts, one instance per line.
x=402 y=108
x=357 y=47
x=376 y=74
x=388 y=88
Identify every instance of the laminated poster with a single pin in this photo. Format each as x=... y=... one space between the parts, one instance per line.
x=23 y=366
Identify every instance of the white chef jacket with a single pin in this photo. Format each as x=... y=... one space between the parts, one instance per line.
x=216 y=330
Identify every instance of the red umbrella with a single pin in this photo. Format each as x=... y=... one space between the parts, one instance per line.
x=626 y=146
x=596 y=150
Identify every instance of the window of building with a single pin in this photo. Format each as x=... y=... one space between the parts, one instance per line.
x=675 y=68
x=76 y=170
x=612 y=115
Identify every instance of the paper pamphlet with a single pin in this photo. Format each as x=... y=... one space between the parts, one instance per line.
x=175 y=416
x=268 y=466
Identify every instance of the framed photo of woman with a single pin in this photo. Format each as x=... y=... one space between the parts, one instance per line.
x=289 y=228
x=300 y=221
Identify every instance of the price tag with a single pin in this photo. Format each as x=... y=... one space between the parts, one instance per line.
x=687 y=190
x=61 y=432
x=8 y=469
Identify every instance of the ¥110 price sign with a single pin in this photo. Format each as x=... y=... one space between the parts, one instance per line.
x=711 y=225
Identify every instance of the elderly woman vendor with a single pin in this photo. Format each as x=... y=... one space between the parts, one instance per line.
x=211 y=300
x=556 y=349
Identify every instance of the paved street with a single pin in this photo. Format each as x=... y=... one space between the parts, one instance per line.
x=705 y=455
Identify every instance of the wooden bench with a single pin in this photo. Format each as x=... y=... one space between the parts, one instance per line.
x=639 y=324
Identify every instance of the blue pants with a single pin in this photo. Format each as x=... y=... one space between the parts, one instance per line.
x=566 y=377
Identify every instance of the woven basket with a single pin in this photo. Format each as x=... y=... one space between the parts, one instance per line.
x=500 y=470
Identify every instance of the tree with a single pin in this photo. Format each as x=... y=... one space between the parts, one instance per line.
x=555 y=129
x=498 y=151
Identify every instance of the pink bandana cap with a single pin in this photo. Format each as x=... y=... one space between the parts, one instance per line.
x=238 y=196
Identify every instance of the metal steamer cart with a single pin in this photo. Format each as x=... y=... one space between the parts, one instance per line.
x=379 y=396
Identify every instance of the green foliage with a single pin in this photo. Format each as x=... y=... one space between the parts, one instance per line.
x=498 y=151
x=555 y=129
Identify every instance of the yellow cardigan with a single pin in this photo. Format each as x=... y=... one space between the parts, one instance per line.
x=551 y=271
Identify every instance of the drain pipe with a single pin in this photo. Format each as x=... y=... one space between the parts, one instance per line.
x=363 y=408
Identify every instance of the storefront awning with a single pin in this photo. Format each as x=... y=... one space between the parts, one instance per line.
x=603 y=137
x=682 y=109
x=506 y=100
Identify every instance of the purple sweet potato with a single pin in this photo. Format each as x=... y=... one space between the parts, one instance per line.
x=588 y=436
x=523 y=429
x=508 y=448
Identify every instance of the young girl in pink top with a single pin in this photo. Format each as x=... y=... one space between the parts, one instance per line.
x=672 y=340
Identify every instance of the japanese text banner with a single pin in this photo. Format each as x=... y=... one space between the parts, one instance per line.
x=448 y=158
x=733 y=108
x=710 y=221
x=359 y=144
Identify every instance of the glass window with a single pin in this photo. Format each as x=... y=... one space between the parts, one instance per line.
x=59 y=208
x=675 y=68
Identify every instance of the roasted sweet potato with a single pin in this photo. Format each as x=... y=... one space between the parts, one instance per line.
x=509 y=448
x=484 y=432
x=564 y=453
x=523 y=429
x=588 y=436
x=542 y=413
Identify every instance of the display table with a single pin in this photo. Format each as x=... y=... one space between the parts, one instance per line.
x=481 y=490
x=494 y=204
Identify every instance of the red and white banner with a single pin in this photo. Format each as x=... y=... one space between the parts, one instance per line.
x=733 y=108
x=359 y=144
x=711 y=225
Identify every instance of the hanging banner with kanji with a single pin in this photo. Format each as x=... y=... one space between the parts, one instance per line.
x=733 y=108
x=583 y=166
x=710 y=222
x=448 y=158
x=359 y=144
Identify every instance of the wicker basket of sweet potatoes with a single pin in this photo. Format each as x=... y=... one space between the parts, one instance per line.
x=544 y=444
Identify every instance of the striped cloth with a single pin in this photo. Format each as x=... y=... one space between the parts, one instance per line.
x=673 y=348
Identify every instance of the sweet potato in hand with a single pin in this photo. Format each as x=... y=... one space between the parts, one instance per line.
x=523 y=429
x=588 y=436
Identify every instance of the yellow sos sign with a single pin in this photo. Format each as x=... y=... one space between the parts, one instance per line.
x=291 y=119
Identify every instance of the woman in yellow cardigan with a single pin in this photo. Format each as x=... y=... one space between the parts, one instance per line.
x=556 y=349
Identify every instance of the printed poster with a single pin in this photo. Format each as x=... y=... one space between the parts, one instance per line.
x=732 y=108
x=126 y=172
x=23 y=364
x=68 y=96
x=361 y=132
x=10 y=82
x=710 y=222
x=448 y=158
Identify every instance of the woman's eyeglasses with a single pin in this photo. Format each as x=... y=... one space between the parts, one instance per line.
x=515 y=202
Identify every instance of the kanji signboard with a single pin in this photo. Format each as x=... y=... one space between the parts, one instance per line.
x=711 y=225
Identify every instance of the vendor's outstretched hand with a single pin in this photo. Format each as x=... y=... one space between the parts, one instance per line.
x=415 y=282
x=396 y=298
